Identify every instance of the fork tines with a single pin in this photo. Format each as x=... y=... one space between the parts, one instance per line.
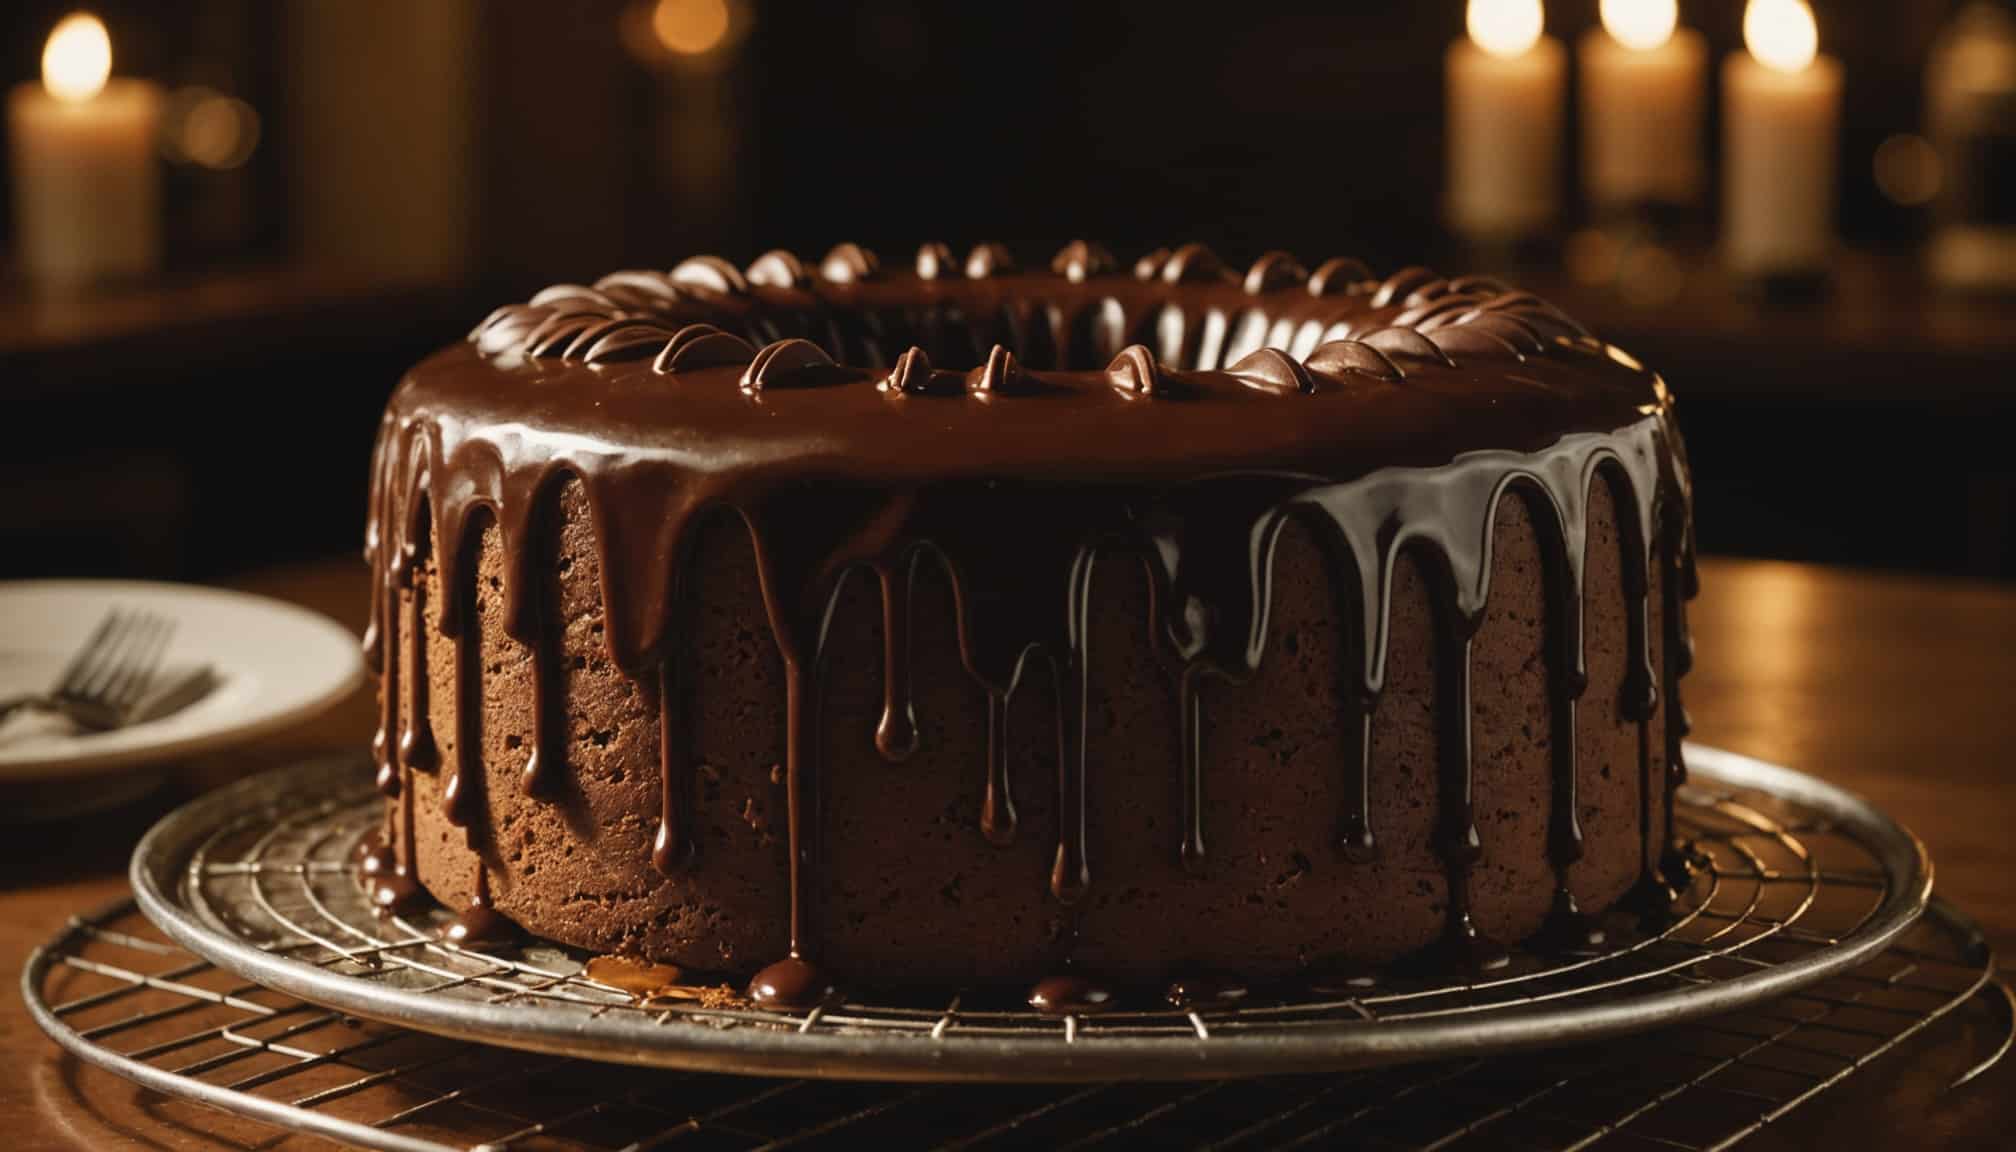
x=116 y=666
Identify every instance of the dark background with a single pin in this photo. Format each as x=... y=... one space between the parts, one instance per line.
x=421 y=162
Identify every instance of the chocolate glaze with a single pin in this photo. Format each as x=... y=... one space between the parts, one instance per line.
x=1009 y=427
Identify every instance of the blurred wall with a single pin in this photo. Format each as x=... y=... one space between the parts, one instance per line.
x=382 y=104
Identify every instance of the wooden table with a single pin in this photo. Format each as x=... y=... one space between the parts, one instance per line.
x=1894 y=687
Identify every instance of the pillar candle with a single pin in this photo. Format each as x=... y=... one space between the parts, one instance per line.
x=86 y=177
x=1642 y=82
x=1505 y=89
x=1781 y=111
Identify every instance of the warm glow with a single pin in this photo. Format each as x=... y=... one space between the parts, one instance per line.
x=1505 y=27
x=1781 y=34
x=77 y=58
x=1908 y=170
x=690 y=27
x=1640 y=24
x=215 y=130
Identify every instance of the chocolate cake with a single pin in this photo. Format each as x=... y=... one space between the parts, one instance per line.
x=1079 y=626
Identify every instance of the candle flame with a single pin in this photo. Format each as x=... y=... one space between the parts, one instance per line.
x=1505 y=27
x=1781 y=34
x=691 y=27
x=1640 y=24
x=77 y=58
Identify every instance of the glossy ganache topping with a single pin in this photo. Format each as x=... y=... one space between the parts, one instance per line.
x=1008 y=423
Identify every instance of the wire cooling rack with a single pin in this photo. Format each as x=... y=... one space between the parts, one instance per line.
x=1801 y=881
x=115 y=993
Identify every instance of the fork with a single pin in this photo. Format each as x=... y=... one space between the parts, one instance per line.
x=110 y=674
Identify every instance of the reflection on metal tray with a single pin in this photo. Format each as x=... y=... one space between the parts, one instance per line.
x=1802 y=882
x=111 y=991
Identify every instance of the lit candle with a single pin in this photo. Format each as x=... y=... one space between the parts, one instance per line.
x=86 y=180
x=1781 y=108
x=1504 y=122
x=1642 y=79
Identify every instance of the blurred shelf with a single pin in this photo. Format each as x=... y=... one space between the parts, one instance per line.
x=1876 y=331
x=55 y=342
x=195 y=428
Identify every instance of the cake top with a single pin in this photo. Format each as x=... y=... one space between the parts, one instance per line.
x=1008 y=419
x=1082 y=370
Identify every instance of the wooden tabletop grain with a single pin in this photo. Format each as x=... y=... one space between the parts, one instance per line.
x=1895 y=687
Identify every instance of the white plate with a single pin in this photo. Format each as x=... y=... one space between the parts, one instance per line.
x=275 y=664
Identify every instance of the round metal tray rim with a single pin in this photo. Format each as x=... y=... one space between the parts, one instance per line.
x=159 y=859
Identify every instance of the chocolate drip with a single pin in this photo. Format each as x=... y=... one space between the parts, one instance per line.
x=1190 y=772
x=416 y=739
x=1417 y=403
x=997 y=803
x=896 y=734
x=1463 y=946
x=1071 y=873
x=672 y=847
x=1677 y=657
x=396 y=890
x=381 y=462
x=1641 y=701
x=460 y=800
x=1565 y=555
x=384 y=746
x=548 y=755
x=373 y=855
x=479 y=923
x=1355 y=834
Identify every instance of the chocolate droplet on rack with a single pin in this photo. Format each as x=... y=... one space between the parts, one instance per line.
x=395 y=892
x=480 y=925
x=792 y=982
x=1568 y=928
x=1069 y=994
x=1205 y=990
x=373 y=856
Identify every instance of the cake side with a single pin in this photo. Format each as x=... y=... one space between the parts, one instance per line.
x=914 y=893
